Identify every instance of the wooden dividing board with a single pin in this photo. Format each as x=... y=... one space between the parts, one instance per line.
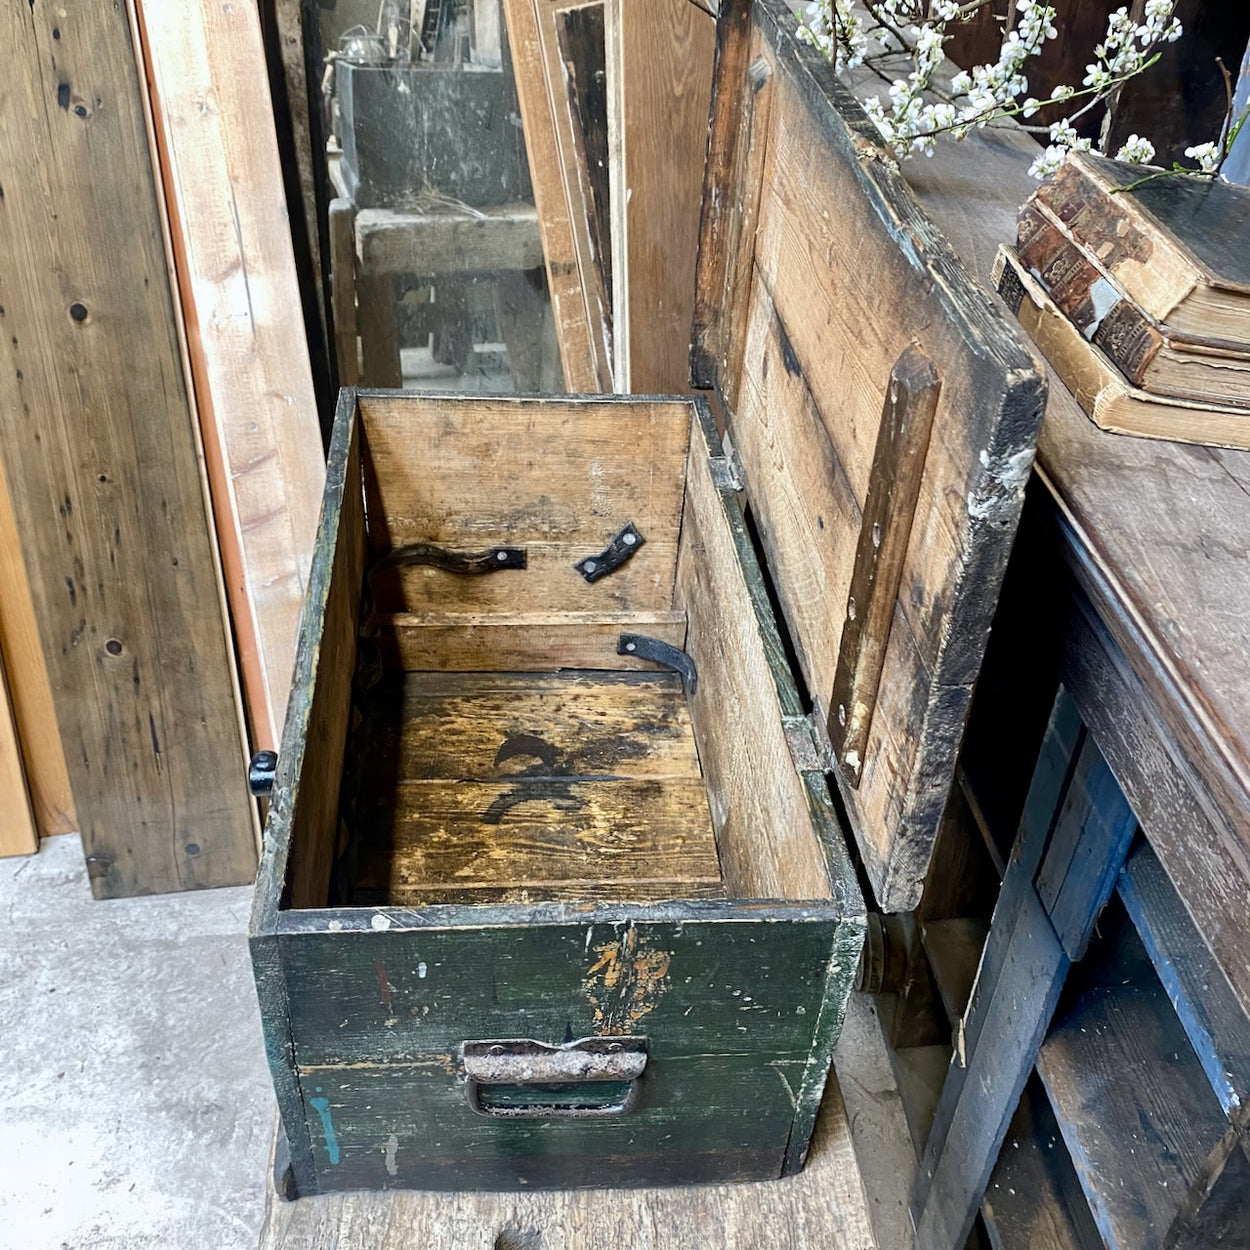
x=245 y=330
x=30 y=695
x=659 y=68
x=101 y=458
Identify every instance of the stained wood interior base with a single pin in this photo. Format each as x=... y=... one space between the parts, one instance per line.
x=524 y=787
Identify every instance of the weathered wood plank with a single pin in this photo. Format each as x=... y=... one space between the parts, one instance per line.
x=815 y=371
x=101 y=458
x=1137 y=1143
x=502 y=642
x=770 y=835
x=583 y=350
x=29 y=692
x=393 y=242
x=1212 y=1018
x=1034 y=1199
x=535 y=838
x=241 y=298
x=560 y=477
x=342 y=232
x=480 y=726
x=302 y=829
x=659 y=66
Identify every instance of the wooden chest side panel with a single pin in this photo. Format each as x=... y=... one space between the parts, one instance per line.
x=558 y=477
x=302 y=828
x=847 y=274
x=760 y=807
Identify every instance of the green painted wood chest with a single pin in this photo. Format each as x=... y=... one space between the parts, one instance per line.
x=557 y=884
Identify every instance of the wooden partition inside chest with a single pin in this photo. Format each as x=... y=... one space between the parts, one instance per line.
x=492 y=821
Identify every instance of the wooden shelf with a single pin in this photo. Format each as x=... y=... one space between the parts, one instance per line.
x=1034 y=1199
x=1205 y=1003
x=1130 y=1096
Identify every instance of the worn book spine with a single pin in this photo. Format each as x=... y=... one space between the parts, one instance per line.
x=1091 y=300
x=1095 y=382
x=1147 y=263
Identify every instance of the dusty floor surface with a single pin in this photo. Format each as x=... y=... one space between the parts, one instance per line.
x=135 y=1104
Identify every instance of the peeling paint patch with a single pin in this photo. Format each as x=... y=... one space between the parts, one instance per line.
x=385 y=986
x=625 y=982
x=391 y=1149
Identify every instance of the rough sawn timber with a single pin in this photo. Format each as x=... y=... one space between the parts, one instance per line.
x=241 y=298
x=102 y=461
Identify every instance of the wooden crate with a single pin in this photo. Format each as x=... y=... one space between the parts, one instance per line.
x=500 y=842
x=494 y=823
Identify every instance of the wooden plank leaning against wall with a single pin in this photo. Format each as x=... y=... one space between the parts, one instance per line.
x=36 y=747
x=659 y=64
x=240 y=295
x=101 y=458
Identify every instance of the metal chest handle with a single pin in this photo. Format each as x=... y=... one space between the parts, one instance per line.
x=591 y=1060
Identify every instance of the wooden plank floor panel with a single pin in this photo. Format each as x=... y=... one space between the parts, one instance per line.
x=492 y=787
x=823 y=1206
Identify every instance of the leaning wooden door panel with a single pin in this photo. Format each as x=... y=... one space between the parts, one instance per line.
x=102 y=463
x=846 y=275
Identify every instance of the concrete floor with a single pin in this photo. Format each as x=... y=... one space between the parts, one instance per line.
x=135 y=1104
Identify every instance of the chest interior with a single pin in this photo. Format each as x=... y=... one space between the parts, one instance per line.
x=502 y=741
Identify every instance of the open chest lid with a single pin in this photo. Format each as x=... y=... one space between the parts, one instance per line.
x=885 y=414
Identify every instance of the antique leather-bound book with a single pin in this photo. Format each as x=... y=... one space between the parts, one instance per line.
x=1099 y=387
x=1149 y=355
x=1176 y=245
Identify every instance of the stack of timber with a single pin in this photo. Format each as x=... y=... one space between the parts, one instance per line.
x=1136 y=286
x=102 y=465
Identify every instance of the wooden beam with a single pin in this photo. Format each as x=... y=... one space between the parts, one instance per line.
x=101 y=460
x=659 y=64
x=29 y=693
x=241 y=299
x=582 y=357
x=432 y=243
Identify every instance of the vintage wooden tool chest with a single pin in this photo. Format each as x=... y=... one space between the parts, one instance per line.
x=557 y=885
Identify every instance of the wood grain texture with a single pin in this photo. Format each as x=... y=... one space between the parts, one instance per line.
x=591 y=238
x=560 y=478
x=772 y=837
x=30 y=696
x=520 y=641
x=19 y=834
x=824 y=1206
x=583 y=351
x=241 y=299
x=101 y=461
x=804 y=415
x=1136 y=1150
x=1154 y=529
x=473 y=725
x=514 y=787
x=342 y=252
x=533 y=838
x=659 y=65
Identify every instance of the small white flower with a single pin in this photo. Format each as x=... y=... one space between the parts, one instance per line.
x=1207 y=155
x=1136 y=151
x=1047 y=163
